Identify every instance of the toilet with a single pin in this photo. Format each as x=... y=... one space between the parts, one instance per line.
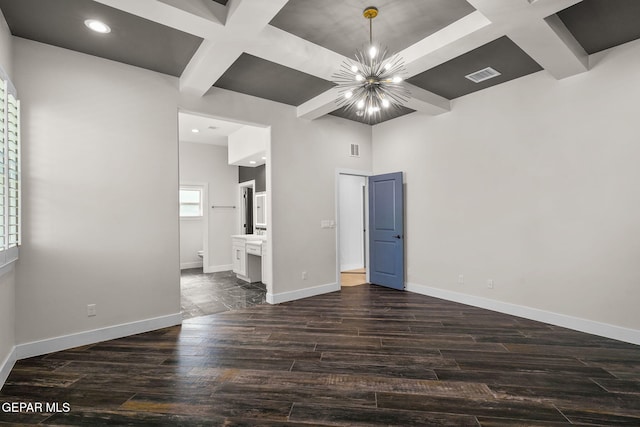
x=201 y=254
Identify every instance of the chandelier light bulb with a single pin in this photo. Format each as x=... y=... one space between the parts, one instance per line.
x=360 y=104
x=385 y=103
x=359 y=77
x=354 y=68
x=397 y=79
x=388 y=66
x=348 y=94
x=373 y=51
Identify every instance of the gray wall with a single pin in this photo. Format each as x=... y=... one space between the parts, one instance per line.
x=100 y=194
x=533 y=184
x=258 y=173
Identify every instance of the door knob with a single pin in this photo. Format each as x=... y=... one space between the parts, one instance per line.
x=397 y=236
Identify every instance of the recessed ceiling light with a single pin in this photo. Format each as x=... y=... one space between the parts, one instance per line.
x=97 y=26
x=195 y=130
x=252 y=162
x=264 y=158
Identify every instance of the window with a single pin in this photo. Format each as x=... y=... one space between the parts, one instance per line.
x=190 y=202
x=10 y=186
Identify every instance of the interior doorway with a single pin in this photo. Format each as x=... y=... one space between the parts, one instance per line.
x=245 y=219
x=352 y=228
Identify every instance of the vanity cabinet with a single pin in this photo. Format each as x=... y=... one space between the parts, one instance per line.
x=239 y=257
x=247 y=263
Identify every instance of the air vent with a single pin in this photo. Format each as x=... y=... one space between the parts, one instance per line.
x=212 y=128
x=355 y=150
x=482 y=75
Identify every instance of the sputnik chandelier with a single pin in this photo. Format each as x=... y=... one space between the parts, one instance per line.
x=373 y=82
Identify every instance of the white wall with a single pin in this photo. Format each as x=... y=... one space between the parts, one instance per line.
x=534 y=184
x=100 y=193
x=350 y=200
x=301 y=173
x=205 y=163
x=7 y=281
x=247 y=142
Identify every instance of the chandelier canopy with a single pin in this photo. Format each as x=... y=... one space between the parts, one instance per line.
x=373 y=82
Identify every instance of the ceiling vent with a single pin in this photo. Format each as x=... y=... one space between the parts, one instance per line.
x=482 y=75
x=212 y=128
x=355 y=150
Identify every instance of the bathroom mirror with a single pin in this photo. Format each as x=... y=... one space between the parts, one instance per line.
x=261 y=210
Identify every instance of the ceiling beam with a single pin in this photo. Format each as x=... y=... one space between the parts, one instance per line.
x=537 y=31
x=208 y=27
x=276 y=45
x=464 y=35
x=245 y=20
x=204 y=8
x=320 y=105
x=426 y=102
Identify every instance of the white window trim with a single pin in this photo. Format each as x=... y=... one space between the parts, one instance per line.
x=10 y=255
x=201 y=189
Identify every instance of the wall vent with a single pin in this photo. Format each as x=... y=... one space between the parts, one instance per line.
x=355 y=150
x=482 y=75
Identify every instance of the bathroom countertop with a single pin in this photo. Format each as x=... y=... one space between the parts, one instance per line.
x=249 y=237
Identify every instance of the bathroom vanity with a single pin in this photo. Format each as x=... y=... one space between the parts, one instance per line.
x=248 y=250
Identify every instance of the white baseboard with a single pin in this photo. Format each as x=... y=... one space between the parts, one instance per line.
x=7 y=366
x=191 y=264
x=578 y=324
x=302 y=293
x=65 y=342
x=218 y=268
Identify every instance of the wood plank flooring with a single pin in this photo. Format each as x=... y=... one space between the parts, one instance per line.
x=353 y=277
x=364 y=356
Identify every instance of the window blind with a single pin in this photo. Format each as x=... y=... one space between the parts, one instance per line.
x=10 y=185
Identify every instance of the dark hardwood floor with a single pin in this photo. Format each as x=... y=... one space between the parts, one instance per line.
x=362 y=356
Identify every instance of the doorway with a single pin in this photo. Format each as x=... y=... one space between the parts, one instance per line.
x=245 y=220
x=352 y=258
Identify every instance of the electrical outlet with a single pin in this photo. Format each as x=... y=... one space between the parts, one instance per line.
x=461 y=278
x=91 y=310
x=304 y=275
x=490 y=283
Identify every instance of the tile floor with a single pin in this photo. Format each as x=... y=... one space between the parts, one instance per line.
x=209 y=293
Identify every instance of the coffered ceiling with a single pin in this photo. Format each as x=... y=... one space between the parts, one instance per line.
x=288 y=50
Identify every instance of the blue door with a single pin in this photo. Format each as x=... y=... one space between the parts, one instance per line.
x=386 y=230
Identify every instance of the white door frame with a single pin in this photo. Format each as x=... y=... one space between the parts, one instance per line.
x=247 y=184
x=354 y=172
x=205 y=219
